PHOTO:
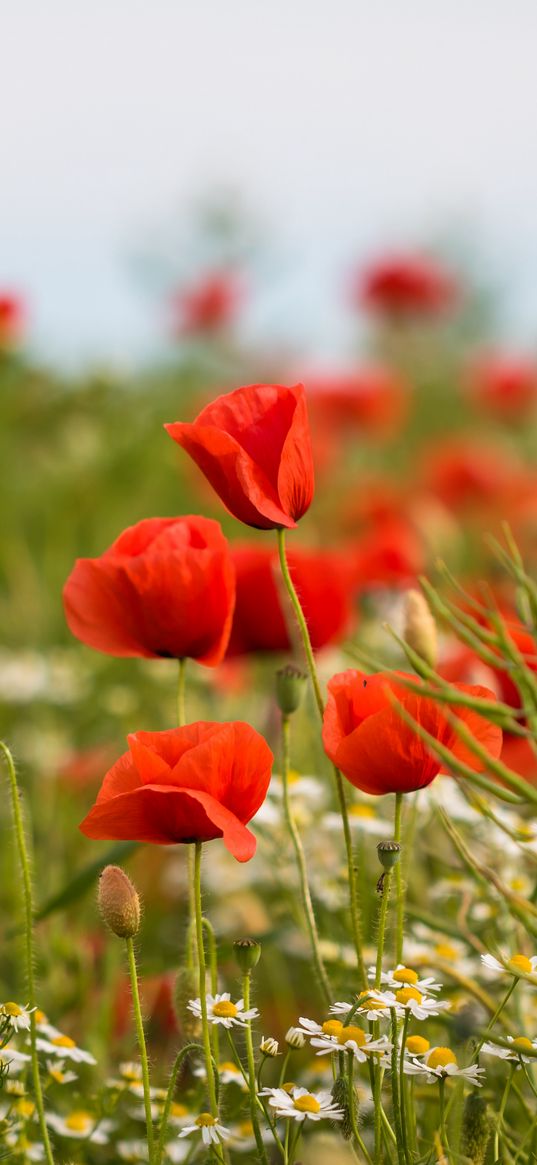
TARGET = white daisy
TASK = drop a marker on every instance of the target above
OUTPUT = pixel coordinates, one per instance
(18, 1017)
(55, 1069)
(65, 1048)
(355, 1040)
(80, 1126)
(518, 965)
(372, 1007)
(301, 1105)
(228, 1073)
(362, 818)
(30, 1150)
(402, 976)
(13, 1058)
(410, 999)
(221, 1010)
(212, 1132)
(132, 1150)
(442, 1062)
(519, 1045)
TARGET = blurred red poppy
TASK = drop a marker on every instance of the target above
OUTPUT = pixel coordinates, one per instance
(254, 446)
(389, 554)
(206, 306)
(189, 784)
(466, 473)
(372, 399)
(263, 615)
(504, 384)
(12, 319)
(405, 284)
(364, 735)
(165, 588)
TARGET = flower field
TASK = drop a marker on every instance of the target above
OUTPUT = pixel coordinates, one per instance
(268, 698)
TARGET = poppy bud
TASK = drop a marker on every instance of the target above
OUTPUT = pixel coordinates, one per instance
(340, 1096)
(186, 987)
(420, 628)
(476, 1129)
(119, 903)
(388, 854)
(294, 1038)
(269, 1047)
(290, 687)
(247, 954)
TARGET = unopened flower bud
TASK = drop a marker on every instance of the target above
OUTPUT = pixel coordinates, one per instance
(186, 988)
(247, 954)
(119, 903)
(294, 1038)
(340, 1096)
(269, 1047)
(388, 854)
(290, 688)
(420, 628)
(475, 1129)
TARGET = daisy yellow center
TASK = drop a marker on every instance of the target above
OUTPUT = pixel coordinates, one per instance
(25, 1107)
(246, 1128)
(369, 1002)
(289, 1086)
(40, 1016)
(130, 1072)
(57, 1075)
(445, 951)
(63, 1042)
(227, 1066)
(307, 1103)
(523, 1044)
(352, 1033)
(332, 1027)
(521, 963)
(78, 1122)
(293, 776)
(440, 1057)
(178, 1109)
(405, 994)
(362, 811)
(205, 1120)
(225, 1009)
(417, 1045)
(12, 1009)
(405, 975)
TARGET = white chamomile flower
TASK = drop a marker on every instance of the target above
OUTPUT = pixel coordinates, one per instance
(57, 1073)
(13, 1058)
(18, 1017)
(519, 1045)
(65, 1048)
(221, 1010)
(228, 1073)
(440, 1063)
(518, 965)
(212, 1132)
(402, 976)
(371, 1008)
(133, 1150)
(362, 818)
(412, 1000)
(29, 1150)
(81, 1126)
(301, 1105)
(332, 1036)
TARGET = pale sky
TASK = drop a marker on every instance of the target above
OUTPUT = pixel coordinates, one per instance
(344, 125)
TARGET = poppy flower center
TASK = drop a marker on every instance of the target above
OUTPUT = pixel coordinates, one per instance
(523, 1044)
(63, 1042)
(405, 975)
(307, 1103)
(12, 1009)
(417, 1045)
(521, 963)
(332, 1027)
(205, 1120)
(77, 1122)
(225, 1009)
(440, 1057)
(405, 994)
(352, 1033)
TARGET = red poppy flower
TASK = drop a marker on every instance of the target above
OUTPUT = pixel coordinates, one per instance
(164, 588)
(402, 284)
(465, 473)
(504, 384)
(390, 554)
(372, 399)
(263, 614)
(12, 318)
(364, 735)
(207, 305)
(254, 446)
(188, 784)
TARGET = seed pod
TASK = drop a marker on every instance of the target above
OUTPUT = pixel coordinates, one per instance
(119, 903)
(247, 954)
(290, 688)
(388, 854)
(476, 1129)
(419, 629)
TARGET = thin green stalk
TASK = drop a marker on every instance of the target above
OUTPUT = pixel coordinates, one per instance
(352, 1108)
(209, 1070)
(29, 945)
(142, 1047)
(402, 1083)
(502, 1108)
(495, 1017)
(396, 1099)
(181, 1055)
(307, 903)
(386, 880)
(443, 1129)
(251, 1071)
(399, 883)
(213, 974)
(303, 627)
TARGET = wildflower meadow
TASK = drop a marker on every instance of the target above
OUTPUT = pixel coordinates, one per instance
(268, 688)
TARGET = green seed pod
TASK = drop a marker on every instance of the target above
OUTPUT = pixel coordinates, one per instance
(340, 1096)
(290, 688)
(476, 1129)
(388, 854)
(247, 954)
(186, 988)
(119, 903)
